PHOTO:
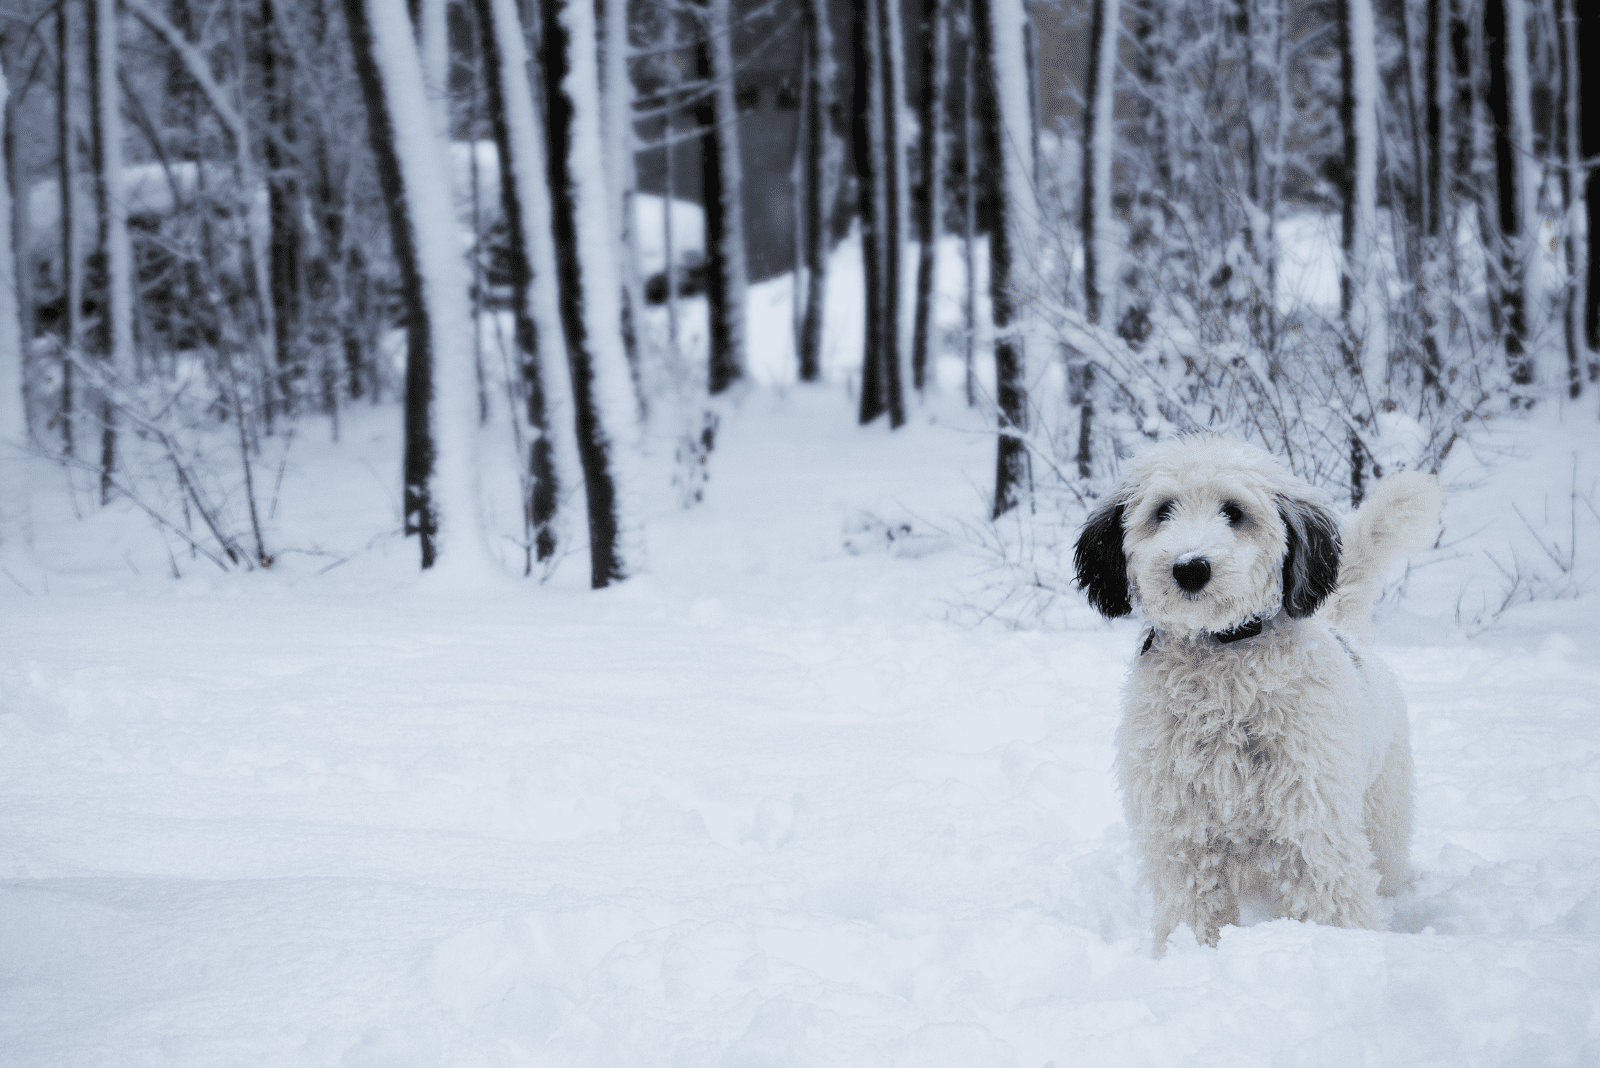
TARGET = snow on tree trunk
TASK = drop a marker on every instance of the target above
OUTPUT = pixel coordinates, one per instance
(114, 336)
(1361, 305)
(616, 97)
(936, 75)
(1506, 36)
(815, 185)
(896, 203)
(441, 470)
(1099, 253)
(15, 515)
(1431, 281)
(525, 201)
(1003, 94)
(433, 40)
(727, 281)
(604, 408)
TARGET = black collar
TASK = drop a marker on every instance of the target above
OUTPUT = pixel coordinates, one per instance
(1248, 629)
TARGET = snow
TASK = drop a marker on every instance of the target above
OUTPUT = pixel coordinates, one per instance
(784, 801)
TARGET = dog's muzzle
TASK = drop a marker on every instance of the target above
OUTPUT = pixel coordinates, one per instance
(1192, 575)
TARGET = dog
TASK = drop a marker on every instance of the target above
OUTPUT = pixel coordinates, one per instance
(1264, 754)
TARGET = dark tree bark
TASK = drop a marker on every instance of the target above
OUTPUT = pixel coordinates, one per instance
(1567, 169)
(867, 136)
(891, 45)
(1007, 152)
(544, 487)
(1099, 26)
(1510, 296)
(596, 408)
(284, 209)
(969, 205)
(67, 180)
(418, 465)
(718, 115)
(1589, 120)
(935, 75)
(818, 106)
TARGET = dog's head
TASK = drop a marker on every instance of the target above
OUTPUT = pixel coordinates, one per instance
(1205, 534)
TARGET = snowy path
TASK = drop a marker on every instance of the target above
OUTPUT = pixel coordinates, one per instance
(765, 807)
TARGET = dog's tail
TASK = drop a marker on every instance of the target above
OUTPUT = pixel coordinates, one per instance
(1399, 518)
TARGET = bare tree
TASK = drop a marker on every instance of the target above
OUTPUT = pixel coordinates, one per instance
(1505, 34)
(113, 338)
(722, 187)
(586, 270)
(1003, 119)
(441, 471)
(935, 77)
(815, 185)
(525, 201)
(15, 505)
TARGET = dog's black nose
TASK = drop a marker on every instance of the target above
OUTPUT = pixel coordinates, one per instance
(1192, 575)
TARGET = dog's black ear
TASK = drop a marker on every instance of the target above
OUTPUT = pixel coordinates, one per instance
(1311, 557)
(1102, 569)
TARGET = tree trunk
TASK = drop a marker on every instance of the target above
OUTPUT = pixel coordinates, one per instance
(1362, 312)
(935, 75)
(71, 248)
(604, 406)
(15, 510)
(284, 207)
(895, 218)
(815, 192)
(872, 204)
(113, 339)
(1505, 36)
(1589, 136)
(1570, 171)
(616, 98)
(1098, 98)
(441, 471)
(726, 273)
(969, 204)
(1003, 118)
(525, 201)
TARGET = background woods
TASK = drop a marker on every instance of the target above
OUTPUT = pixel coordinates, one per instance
(540, 227)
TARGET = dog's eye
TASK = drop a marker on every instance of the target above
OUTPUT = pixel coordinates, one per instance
(1234, 513)
(1164, 512)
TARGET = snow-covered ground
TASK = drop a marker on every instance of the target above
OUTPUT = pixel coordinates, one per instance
(783, 801)
(777, 803)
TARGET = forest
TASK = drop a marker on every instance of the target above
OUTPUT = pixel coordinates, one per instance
(228, 219)
(541, 532)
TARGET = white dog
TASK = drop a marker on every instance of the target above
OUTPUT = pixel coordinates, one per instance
(1264, 754)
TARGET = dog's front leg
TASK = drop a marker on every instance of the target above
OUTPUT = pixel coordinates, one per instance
(1190, 884)
(1330, 878)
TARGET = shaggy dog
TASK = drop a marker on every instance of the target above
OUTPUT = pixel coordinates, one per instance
(1264, 755)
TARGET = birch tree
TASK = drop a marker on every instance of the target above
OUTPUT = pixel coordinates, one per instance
(15, 507)
(525, 201)
(892, 40)
(1003, 119)
(616, 98)
(935, 76)
(586, 269)
(113, 339)
(441, 471)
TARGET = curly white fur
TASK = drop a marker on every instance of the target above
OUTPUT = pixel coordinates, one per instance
(1269, 768)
